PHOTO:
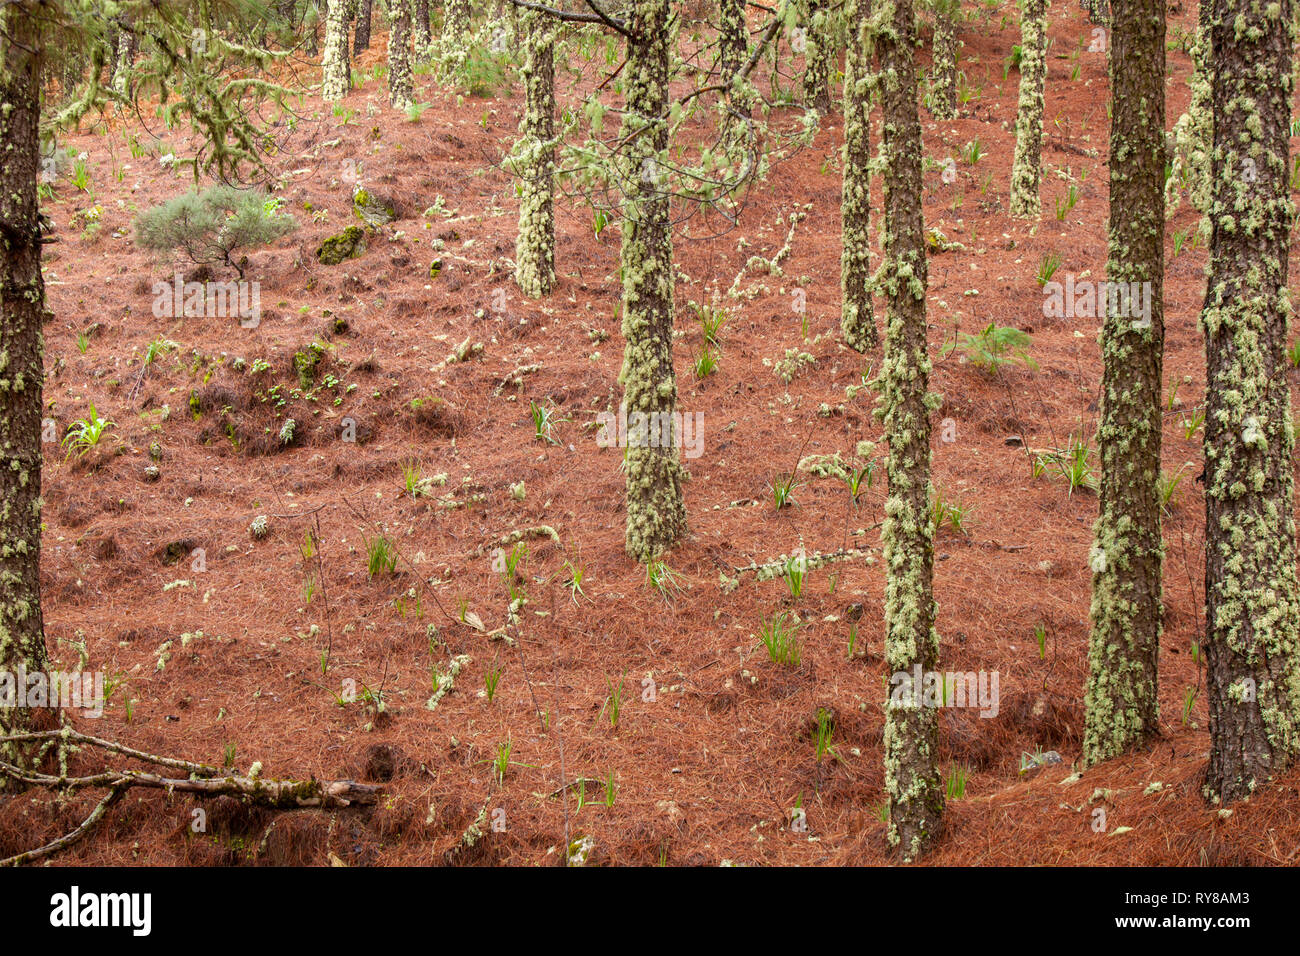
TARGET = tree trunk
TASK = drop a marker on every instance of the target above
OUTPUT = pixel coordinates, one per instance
(1194, 131)
(535, 247)
(733, 52)
(857, 320)
(817, 56)
(943, 86)
(656, 513)
(334, 62)
(1122, 710)
(455, 35)
(1026, 169)
(912, 778)
(22, 308)
(1251, 607)
(422, 35)
(361, 37)
(400, 85)
(310, 24)
(122, 67)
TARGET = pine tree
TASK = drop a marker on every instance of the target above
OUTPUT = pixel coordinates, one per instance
(857, 320)
(400, 84)
(912, 778)
(22, 307)
(422, 35)
(943, 87)
(656, 513)
(1193, 133)
(455, 34)
(535, 246)
(819, 51)
(1121, 704)
(1252, 610)
(337, 76)
(1026, 168)
(361, 36)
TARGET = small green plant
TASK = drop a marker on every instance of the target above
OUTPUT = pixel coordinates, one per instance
(1067, 202)
(1167, 487)
(796, 567)
(1193, 424)
(611, 789)
(948, 512)
(711, 319)
(544, 422)
(213, 225)
(1189, 701)
(853, 640)
(381, 556)
(783, 490)
(1293, 354)
(856, 477)
(706, 363)
(1047, 267)
(574, 580)
(83, 342)
(615, 701)
(415, 484)
(1072, 464)
(86, 433)
(1040, 638)
(972, 152)
(995, 346)
(415, 111)
(957, 783)
(823, 732)
(780, 635)
(661, 577)
(490, 681)
(231, 752)
(81, 176)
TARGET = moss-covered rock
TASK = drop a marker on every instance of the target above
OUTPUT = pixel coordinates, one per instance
(348, 244)
(372, 208)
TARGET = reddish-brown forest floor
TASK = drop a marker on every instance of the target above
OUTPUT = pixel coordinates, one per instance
(711, 769)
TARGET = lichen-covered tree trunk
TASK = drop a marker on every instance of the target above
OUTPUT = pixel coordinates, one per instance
(857, 320)
(22, 306)
(820, 50)
(310, 23)
(535, 246)
(400, 85)
(361, 36)
(125, 54)
(423, 37)
(943, 87)
(455, 34)
(1252, 609)
(337, 75)
(733, 52)
(1194, 131)
(912, 778)
(1121, 705)
(656, 513)
(1026, 168)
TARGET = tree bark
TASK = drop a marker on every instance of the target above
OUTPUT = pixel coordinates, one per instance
(535, 247)
(1251, 607)
(857, 319)
(337, 79)
(943, 87)
(817, 57)
(1122, 710)
(912, 777)
(361, 35)
(400, 84)
(656, 513)
(22, 309)
(1026, 168)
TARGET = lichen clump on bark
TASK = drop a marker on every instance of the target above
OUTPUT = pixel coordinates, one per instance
(943, 70)
(1026, 168)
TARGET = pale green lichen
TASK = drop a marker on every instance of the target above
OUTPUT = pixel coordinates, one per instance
(400, 85)
(943, 70)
